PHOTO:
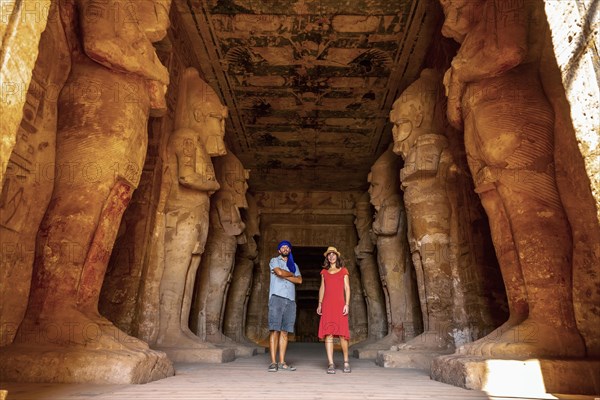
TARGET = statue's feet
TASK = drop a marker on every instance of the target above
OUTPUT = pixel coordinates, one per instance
(241, 339)
(182, 339)
(428, 341)
(71, 327)
(385, 342)
(219, 338)
(533, 339)
(476, 348)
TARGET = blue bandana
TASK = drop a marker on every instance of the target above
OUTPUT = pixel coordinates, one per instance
(290, 261)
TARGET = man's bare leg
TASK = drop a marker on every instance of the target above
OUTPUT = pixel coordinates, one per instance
(273, 340)
(283, 341)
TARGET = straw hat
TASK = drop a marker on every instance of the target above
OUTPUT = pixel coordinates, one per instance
(332, 249)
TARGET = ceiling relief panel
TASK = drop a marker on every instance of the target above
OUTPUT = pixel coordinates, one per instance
(309, 84)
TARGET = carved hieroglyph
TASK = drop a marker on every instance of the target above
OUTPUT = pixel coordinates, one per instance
(191, 180)
(225, 233)
(29, 177)
(427, 163)
(246, 258)
(494, 91)
(369, 271)
(21, 27)
(115, 81)
(393, 254)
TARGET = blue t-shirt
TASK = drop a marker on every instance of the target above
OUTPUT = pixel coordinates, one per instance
(280, 286)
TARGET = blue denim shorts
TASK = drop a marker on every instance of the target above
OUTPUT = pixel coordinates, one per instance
(282, 314)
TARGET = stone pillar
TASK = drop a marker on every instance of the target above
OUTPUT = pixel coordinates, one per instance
(393, 254)
(100, 150)
(369, 271)
(246, 257)
(189, 174)
(427, 162)
(225, 233)
(495, 92)
(510, 155)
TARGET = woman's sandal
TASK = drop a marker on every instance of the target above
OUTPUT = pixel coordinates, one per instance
(331, 369)
(285, 367)
(347, 368)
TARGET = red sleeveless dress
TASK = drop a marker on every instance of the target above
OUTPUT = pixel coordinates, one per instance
(333, 322)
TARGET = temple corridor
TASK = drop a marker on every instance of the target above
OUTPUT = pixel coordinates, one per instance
(164, 162)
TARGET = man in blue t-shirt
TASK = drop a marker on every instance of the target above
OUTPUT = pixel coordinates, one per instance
(285, 274)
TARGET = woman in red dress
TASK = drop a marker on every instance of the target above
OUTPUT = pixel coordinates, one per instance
(334, 298)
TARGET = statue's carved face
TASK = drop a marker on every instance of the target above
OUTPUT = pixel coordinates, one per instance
(209, 122)
(406, 116)
(363, 218)
(460, 17)
(376, 190)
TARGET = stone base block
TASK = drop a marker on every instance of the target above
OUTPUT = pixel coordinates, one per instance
(519, 377)
(242, 351)
(414, 359)
(370, 351)
(80, 365)
(366, 353)
(193, 355)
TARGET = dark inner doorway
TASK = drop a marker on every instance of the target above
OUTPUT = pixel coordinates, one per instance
(310, 261)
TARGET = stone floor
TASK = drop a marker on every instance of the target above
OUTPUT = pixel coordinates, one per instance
(248, 379)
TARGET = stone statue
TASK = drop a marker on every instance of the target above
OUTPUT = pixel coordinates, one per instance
(115, 82)
(427, 162)
(494, 91)
(29, 178)
(393, 254)
(190, 179)
(246, 258)
(226, 232)
(369, 272)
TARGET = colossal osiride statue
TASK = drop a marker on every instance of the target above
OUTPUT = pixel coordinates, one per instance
(246, 258)
(427, 162)
(191, 180)
(494, 92)
(29, 178)
(393, 254)
(369, 272)
(115, 82)
(226, 232)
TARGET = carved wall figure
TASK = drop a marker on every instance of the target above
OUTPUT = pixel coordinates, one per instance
(427, 165)
(226, 232)
(369, 271)
(494, 91)
(393, 254)
(246, 258)
(115, 82)
(29, 179)
(190, 177)
(21, 35)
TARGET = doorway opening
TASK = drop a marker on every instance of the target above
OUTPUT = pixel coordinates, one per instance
(310, 261)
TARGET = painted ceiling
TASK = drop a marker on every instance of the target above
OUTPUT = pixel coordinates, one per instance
(309, 84)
